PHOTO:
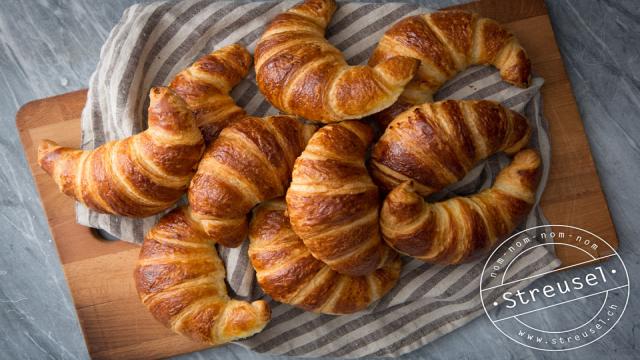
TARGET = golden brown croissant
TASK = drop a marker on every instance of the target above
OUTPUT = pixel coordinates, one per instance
(447, 42)
(287, 271)
(138, 176)
(436, 144)
(206, 84)
(452, 231)
(333, 203)
(180, 279)
(301, 73)
(249, 162)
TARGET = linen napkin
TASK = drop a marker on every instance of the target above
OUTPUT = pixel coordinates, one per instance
(154, 41)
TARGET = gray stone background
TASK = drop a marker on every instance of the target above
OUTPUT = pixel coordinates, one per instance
(48, 47)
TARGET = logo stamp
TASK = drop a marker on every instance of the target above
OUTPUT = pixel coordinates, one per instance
(555, 309)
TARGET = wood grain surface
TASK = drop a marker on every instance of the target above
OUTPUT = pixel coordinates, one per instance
(99, 272)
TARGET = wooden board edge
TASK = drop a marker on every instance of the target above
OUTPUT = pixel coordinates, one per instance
(536, 8)
(27, 109)
(574, 103)
(23, 115)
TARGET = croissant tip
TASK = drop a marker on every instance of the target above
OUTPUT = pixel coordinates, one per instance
(407, 185)
(166, 99)
(529, 156)
(46, 144)
(158, 91)
(263, 310)
(45, 148)
(44, 157)
(405, 194)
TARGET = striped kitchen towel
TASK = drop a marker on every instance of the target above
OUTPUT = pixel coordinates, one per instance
(153, 41)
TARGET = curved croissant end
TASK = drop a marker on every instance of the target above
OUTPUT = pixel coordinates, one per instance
(454, 230)
(286, 270)
(249, 162)
(138, 176)
(332, 201)
(436, 144)
(447, 42)
(301, 73)
(205, 86)
(180, 279)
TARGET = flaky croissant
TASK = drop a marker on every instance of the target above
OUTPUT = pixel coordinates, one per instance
(249, 162)
(333, 203)
(436, 144)
(206, 84)
(138, 176)
(452, 231)
(301, 73)
(447, 42)
(286, 270)
(180, 279)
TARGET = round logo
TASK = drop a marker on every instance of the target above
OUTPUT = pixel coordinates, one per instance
(542, 306)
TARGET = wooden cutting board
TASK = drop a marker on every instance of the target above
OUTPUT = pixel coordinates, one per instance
(99, 272)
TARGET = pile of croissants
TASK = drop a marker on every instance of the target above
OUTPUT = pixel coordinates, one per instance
(327, 204)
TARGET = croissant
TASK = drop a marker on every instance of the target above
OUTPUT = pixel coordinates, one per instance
(249, 162)
(301, 73)
(286, 270)
(333, 203)
(138, 176)
(436, 144)
(206, 84)
(447, 42)
(452, 231)
(180, 279)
